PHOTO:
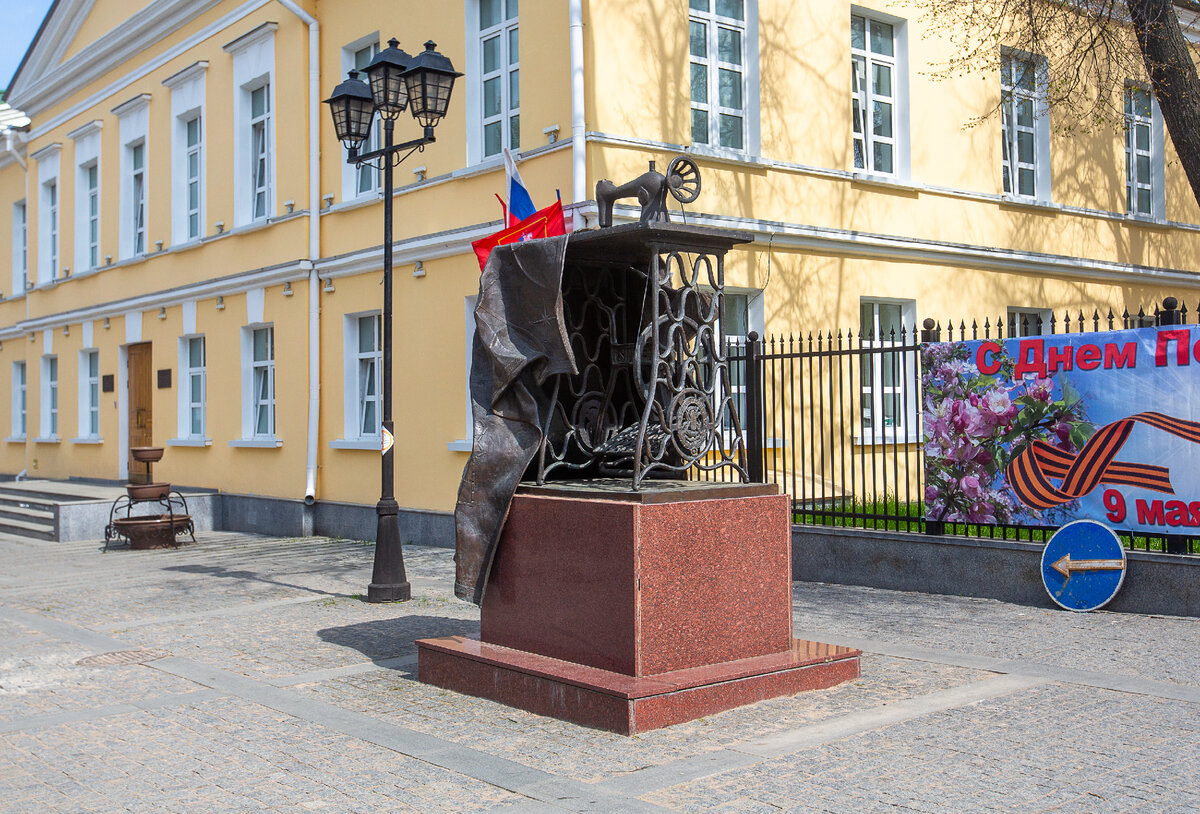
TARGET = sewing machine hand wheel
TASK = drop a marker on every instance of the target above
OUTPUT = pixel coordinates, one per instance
(683, 179)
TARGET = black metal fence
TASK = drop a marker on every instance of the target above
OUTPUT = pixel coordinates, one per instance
(834, 418)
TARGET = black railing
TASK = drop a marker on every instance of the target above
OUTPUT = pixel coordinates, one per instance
(834, 418)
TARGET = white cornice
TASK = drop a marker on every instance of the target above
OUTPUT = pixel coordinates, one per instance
(131, 105)
(86, 130)
(49, 151)
(120, 46)
(256, 34)
(189, 73)
(208, 289)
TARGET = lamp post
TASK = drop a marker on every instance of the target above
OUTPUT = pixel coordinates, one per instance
(422, 84)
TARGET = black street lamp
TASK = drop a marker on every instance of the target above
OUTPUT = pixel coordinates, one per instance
(422, 84)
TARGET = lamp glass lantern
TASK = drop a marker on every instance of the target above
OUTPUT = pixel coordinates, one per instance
(352, 107)
(386, 74)
(430, 79)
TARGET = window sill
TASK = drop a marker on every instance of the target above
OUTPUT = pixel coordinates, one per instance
(727, 156)
(370, 444)
(1008, 199)
(257, 443)
(49, 439)
(893, 183)
(87, 440)
(189, 442)
(15, 439)
(1151, 221)
(460, 445)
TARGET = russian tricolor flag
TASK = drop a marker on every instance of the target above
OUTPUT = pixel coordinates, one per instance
(520, 204)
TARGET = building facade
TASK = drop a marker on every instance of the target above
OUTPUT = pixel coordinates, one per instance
(193, 264)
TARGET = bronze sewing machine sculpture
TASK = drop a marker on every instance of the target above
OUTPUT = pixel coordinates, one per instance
(650, 188)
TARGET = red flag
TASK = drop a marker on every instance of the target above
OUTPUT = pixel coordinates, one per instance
(542, 223)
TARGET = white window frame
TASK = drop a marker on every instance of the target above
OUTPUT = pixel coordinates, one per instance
(1023, 321)
(352, 176)
(863, 96)
(48, 197)
(906, 375)
(138, 188)
(253, 371)
(20, 400)
(473, 89)
(49, 397)
(703, 14)
(88, 201)
(1037, 130)
(20, 248)
(134, 117)
(89, 394)
(253, 68)
(190, 400)
(507, 74)
(1153, 153)
(755, 323)
(187, 88)
(261, 158)
(354, 381)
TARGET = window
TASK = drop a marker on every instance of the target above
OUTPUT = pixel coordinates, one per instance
(195, 383)
(134, 190)
(87, 195)
(875, 94)
(888, 377)
(187, 88)
(20, 265)
(1143, 154)
(260, 151)
(193, 144)
(1025, 136)
(48, 259)
(51, 196)
(92, 178)
(137, 185)
(366, 178)
(1027, 322)
(262, 374)
(49, 427)
(18, 400)
(89, 394)
(368, 364)
(717, 43)
(500, 75)
(735, 326)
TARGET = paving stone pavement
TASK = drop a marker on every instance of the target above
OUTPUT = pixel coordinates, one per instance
(263, 682)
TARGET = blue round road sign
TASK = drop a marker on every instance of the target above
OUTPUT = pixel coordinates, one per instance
(1083, 565)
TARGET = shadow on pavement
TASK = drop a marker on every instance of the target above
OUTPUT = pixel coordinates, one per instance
(387, 638)
(246, 576)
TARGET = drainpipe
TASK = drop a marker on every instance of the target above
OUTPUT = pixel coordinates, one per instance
(11, 149)
(578, 123)
(314, 246)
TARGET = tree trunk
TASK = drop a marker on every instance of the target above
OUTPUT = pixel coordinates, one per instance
(1172, 77)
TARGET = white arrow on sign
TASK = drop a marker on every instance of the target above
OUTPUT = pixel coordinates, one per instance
(1065, 565)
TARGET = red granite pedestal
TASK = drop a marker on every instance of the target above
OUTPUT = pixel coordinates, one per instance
(630, 611)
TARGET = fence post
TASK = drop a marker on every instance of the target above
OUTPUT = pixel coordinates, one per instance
(754, 412)
(1170, 314)
(930, 332)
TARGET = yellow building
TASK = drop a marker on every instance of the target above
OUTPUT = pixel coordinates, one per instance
(194, 265)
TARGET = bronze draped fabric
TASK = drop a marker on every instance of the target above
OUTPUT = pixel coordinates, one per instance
(520, 341)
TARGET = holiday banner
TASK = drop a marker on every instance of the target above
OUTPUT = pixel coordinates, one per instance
(1049, 429)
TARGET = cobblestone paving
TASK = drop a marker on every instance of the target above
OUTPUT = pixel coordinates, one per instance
(284, 691)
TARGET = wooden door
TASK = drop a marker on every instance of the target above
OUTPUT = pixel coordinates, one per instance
(141, 424)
